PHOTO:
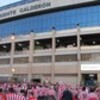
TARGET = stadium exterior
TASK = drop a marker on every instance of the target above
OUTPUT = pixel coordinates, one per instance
(51, 40)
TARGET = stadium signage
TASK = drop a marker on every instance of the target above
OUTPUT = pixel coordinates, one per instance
(34, 7)
(38, 5)
(25, 9)
(90, 67)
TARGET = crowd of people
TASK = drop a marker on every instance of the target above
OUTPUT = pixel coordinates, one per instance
(47, 91)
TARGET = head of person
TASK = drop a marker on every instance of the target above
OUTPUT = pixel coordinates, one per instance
(1, 90)
(23, 92)
(92, 89)
(98, 89)
(83, 88)
(31, 93)
(11, 90)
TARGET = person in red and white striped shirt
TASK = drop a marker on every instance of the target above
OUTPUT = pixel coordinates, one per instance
(21, 95)
(31, 96)
(2, 95)
(11, 95)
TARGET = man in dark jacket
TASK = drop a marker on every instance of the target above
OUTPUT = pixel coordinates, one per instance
(67, 95)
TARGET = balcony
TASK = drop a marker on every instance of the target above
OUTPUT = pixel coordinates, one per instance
(88, 49)
(24, 52)
(4, 61)
(91, 57)
(23, 37)
(43, 52)
(5, 53)
(22, 48)
(43, 46)
(66, 44)
(5, 49)
(42, 59)
(66, 50)
(66, 58)
(90, 43)
(45, 35)
(21, 60)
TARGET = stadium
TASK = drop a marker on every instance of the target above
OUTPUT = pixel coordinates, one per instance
(51, 40)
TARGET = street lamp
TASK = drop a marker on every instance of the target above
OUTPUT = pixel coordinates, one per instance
(13, 70)
(13, 36)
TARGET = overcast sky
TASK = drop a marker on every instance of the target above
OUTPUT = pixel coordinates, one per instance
(5, 2)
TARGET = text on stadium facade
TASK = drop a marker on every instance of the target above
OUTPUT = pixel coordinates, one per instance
(26, 9)
(38, 5)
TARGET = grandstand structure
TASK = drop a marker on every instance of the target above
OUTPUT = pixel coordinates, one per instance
(51, 40)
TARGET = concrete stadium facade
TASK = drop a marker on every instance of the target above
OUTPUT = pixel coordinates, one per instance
(51, 40)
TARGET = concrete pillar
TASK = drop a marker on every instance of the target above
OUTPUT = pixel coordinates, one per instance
(31, 49)
(12, 54)
(53, 56)
(98, 78)
(79, 54)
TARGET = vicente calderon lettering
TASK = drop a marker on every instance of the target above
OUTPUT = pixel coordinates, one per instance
(25, 9)
(13, 12)
(38, 5)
